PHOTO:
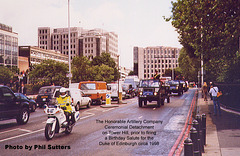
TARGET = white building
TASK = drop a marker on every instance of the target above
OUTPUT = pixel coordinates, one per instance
(89, 43)
(147, 60)
(8, 46)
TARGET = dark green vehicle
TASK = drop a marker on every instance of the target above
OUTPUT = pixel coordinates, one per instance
(153, 90)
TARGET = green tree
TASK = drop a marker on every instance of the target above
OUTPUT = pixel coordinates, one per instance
(189, 66)
(104, 58)
(5, 75)
(81, 69)
(209, 30)
(49, 72)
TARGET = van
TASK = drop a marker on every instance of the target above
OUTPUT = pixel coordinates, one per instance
(78, 98)
(96, 90)
(113, 87)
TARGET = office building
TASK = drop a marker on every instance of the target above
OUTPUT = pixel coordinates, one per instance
(89, 43)
(30, 55)
(8, 46)
(147, 60)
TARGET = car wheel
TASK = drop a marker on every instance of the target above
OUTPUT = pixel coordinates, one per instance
(89, 104)
(23, 116)
(139, 103)
(77, 107)
(34, 107)
(158, 102)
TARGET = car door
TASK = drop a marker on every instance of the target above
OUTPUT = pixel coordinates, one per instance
(9, 105)
(83, 99)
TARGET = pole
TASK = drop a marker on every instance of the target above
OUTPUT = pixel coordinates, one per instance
(201, 70)
(69, 44)
(172, 65)
(118, 78)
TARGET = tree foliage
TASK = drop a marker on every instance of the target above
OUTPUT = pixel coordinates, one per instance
(188, 66)
(5, 75)
(49, 72)
(211, 30)
(101, 68)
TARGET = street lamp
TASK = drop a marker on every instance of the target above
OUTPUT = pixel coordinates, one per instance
(69, 45)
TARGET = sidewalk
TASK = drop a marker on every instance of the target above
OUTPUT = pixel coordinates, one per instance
(222, 131)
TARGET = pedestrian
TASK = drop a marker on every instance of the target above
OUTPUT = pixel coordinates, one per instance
(214, 91)
(205, 91)
(17, 85)
(23, 89)
(156, 75)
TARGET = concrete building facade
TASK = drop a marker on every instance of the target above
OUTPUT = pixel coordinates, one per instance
(89, 43)
(30, 55)
(8, 46)
(159, 58)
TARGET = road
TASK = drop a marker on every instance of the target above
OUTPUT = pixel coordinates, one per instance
(123, 130)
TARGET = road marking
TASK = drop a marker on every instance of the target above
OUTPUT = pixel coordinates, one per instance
(140, 117)
(9, 130)
(86, 116)
(108, 109)
(25, 130)
(21, 135)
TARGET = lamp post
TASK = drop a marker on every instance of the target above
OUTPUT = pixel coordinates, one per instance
(69, 45)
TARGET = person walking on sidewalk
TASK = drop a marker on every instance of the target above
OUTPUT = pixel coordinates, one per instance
(205, 91)
(214, 91)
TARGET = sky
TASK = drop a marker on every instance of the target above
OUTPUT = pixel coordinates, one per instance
(137, 22)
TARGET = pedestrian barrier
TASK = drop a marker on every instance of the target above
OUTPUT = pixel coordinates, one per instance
(188, 147)
(198, 135)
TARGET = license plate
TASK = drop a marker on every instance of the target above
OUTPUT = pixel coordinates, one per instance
(44, 97)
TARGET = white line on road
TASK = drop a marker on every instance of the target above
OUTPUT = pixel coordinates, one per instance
(140, 117)
(21, 135)
(86, 116)
(25, 130)
(9, 130)
(108, 110)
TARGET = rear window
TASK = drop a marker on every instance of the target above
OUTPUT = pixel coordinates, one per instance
(46, 90)
(88, 86)
(173, 82)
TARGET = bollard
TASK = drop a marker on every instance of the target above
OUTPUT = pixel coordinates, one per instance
(196, 126)
(188, 147)
(204, 128)
(193, 137)
(199, 119)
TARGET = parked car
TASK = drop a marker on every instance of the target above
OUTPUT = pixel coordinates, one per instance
(46, 95)
(184, 84)
(12, 107)
(129, 90)
(78, 98)
(176, 87)
(32, 103)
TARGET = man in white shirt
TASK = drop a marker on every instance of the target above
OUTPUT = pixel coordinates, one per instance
(213, 91)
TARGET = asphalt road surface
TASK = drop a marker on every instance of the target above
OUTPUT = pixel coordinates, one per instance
(123, 130)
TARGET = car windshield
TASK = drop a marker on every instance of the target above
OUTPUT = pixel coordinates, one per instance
(20, 96)
(173, 82)
(149, 83)
(88, 86)
(46, 90)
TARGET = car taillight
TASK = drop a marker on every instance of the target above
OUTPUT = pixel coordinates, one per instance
(72, 100)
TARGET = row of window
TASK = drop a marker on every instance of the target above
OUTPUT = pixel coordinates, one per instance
(159, 66)
(159, 61)
(165, 51)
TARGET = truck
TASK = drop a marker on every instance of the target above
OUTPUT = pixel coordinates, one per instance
(153, 90)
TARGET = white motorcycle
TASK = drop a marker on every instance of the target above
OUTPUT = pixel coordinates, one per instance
(57, 122)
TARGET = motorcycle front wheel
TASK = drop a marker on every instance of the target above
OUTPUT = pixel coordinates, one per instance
(49, 134)
(69, 128)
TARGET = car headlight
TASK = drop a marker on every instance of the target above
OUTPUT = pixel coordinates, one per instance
(177, 87)
(155, 93)
(140, 93)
